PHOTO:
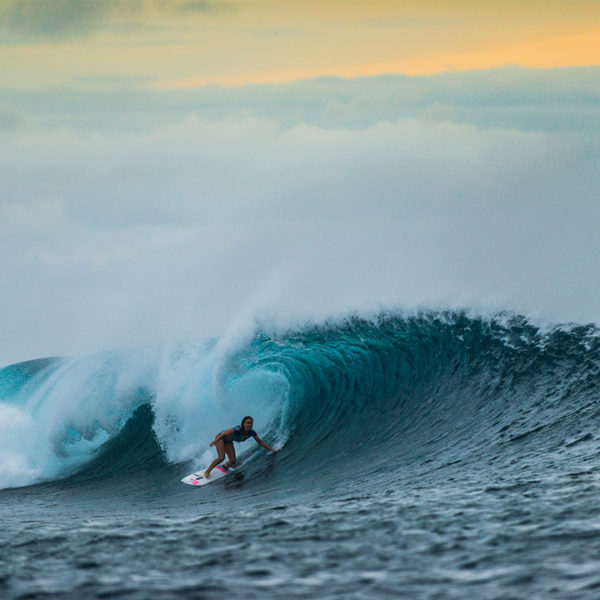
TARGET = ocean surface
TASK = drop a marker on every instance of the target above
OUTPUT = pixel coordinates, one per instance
(433, 455)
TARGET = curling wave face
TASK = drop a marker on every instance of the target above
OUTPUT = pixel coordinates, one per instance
(388, 396)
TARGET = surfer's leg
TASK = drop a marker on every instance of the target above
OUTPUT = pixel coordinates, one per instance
(230, 450)
(220, 446)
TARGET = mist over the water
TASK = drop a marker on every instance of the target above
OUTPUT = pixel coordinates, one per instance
(193, 226)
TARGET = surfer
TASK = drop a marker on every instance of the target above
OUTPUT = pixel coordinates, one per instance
(224, 443)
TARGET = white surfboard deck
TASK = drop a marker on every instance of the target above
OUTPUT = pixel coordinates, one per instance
(198, 478)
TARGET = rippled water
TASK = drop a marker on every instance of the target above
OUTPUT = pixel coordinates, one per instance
(438, 536)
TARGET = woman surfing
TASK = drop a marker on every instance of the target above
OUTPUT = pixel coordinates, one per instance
(224, 443)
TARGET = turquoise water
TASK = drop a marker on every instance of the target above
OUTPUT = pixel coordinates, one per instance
(438, 455)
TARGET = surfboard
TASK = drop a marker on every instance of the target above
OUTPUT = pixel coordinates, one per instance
(198, 478)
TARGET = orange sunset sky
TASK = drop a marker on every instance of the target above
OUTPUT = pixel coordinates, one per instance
(187, 43)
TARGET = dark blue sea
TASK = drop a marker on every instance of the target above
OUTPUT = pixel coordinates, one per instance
(438, 455)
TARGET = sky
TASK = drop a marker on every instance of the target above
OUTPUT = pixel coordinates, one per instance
(177, 170)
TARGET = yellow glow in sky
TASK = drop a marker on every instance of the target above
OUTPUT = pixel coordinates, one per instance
(190, 44)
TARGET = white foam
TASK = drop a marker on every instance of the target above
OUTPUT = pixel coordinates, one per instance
(58, 422)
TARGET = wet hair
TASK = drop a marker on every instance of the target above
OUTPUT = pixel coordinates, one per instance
(245, 419)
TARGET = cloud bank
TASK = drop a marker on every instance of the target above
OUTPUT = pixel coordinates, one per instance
(179, 226)
(58, 20)
(54, 19)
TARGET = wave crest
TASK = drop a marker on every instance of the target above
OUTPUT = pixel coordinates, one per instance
(384, 391)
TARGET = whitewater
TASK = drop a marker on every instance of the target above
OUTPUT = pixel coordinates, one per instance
(434, 454)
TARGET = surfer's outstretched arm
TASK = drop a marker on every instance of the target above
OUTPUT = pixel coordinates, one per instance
(261, 443)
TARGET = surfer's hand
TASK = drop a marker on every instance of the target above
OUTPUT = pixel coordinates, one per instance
(212, 443)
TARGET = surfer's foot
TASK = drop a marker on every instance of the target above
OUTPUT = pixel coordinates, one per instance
(206, 475)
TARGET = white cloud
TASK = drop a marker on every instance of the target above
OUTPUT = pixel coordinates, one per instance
(174, 230)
